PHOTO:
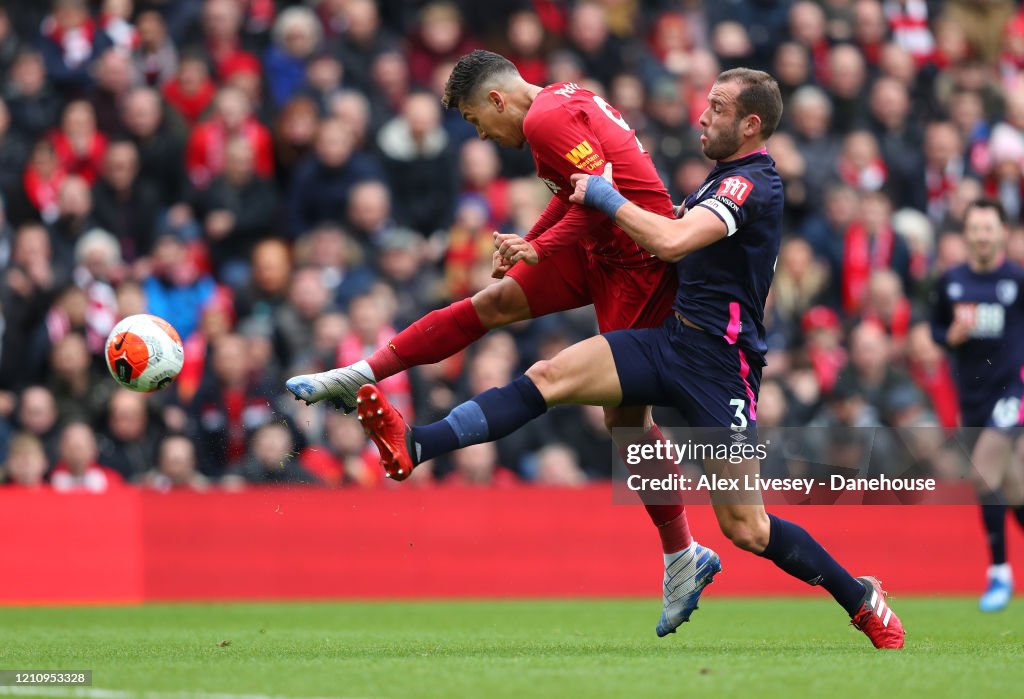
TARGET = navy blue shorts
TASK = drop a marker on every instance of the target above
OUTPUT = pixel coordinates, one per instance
(712, 383)
(1002, 413)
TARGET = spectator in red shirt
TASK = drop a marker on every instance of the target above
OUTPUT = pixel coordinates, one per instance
(77, 470)
(191, 90)
(42, 180)
(78, 143)
(232, 118)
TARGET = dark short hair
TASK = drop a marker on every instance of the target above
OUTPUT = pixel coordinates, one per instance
(987, 203)
(760, 95)
(473, 70)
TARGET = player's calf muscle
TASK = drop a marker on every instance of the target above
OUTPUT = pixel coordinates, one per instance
(500, 304)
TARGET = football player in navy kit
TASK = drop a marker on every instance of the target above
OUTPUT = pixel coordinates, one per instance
(979, 315)
(705, 359)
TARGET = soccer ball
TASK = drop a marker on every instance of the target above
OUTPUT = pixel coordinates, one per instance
(144, 353)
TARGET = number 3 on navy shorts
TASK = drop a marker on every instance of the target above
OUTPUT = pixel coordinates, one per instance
(741, 420)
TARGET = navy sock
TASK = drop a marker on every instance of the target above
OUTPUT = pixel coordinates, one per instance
(791, 548)
(993, 516)
(485, 418)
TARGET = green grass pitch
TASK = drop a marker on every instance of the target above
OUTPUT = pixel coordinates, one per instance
(759, 648)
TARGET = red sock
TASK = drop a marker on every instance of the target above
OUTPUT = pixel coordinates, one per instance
(436, 336)
(668, 515)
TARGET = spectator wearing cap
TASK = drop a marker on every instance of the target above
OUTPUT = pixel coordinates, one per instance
(26, 465)
(70, 41)
(78, 470)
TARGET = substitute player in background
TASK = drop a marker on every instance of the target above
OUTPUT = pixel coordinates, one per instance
(572, 257)
(705, 360)
(979, 315)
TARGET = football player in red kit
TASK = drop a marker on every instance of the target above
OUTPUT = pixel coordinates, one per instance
(572, 257)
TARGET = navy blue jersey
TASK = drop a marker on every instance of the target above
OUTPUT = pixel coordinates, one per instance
(723, 287)
(989, 363)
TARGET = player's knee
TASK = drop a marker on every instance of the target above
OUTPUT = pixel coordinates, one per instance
(549, 378)
(746, 533)
(501, 304)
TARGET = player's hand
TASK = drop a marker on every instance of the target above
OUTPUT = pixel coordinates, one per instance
(964, 319)
(499, 266)
(579, 183)
(515, 249)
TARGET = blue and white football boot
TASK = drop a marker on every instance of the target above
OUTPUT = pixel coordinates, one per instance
(1000, 589)
(686, 576)
(339, 386)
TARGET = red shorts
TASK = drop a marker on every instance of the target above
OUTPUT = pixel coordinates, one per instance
(623, 298)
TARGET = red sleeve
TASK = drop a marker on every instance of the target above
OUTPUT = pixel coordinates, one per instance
(264, 148)
(552, 214)
(195, 157)
(564, 144)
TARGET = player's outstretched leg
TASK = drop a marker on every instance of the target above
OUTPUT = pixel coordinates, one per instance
(434, 337)
(999, 589)
(792, 549)
(687, 573)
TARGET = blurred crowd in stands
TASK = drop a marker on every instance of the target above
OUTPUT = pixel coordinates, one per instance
(279, 181)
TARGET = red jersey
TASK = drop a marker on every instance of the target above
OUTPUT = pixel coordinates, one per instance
(572, 130)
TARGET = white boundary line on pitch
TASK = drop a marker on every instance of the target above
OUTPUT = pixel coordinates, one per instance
(97, 693)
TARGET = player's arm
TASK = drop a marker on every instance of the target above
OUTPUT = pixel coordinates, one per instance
(669, 239)
(942, 313)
